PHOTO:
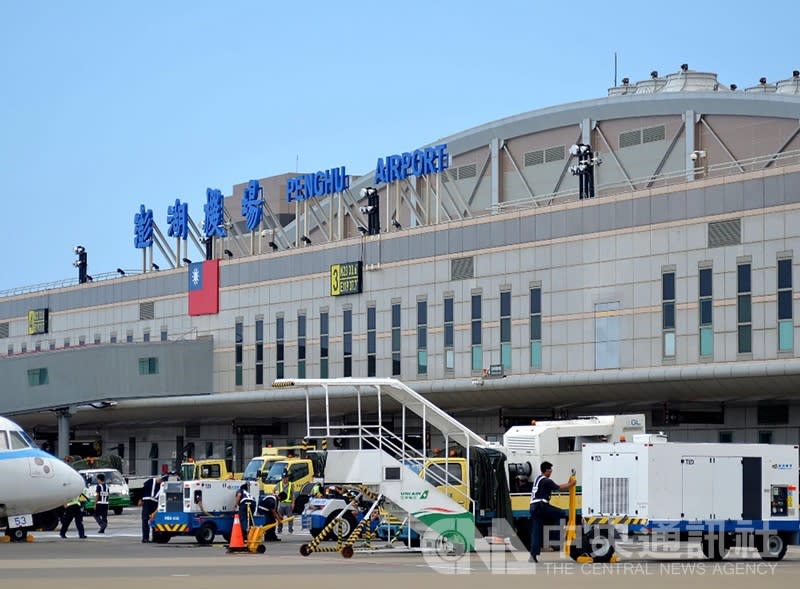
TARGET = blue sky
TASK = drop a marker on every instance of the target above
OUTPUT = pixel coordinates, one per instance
(108, 105)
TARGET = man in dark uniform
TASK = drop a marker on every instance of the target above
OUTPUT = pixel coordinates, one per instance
(74, 510)
(542, 513)
(149, 502)
(101, 503)
(268, 507)
(245, 504)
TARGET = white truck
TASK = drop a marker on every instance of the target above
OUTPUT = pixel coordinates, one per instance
(201, 508)
(720, 494)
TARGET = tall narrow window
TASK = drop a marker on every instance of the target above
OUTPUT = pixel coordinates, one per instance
(323, 344)
(743, 309)
(477, 349)
(347, 340)
(301, 345)
(505, 329)
(279, 343)
(372, 343)
(395, 339)
(706, 318)
(785, 320)
(239, 351)
(536, 326)
(259, 351)
(668, 313)
(449, 352)
(422, 337)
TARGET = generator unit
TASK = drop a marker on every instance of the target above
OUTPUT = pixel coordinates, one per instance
(717, 492)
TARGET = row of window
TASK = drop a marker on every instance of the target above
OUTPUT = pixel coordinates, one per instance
(40, 376)
(51, 344)
(744, 321)
(476, 339)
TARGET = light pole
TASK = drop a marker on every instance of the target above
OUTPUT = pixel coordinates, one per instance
(584, 170)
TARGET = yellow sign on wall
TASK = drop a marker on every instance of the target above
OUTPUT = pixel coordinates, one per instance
(345, 278)
(37, 321)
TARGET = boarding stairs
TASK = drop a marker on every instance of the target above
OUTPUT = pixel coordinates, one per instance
(381, 462)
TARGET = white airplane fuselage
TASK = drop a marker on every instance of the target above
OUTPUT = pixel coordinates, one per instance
(31, 480)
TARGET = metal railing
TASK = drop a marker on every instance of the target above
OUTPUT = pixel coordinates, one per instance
(66, 282)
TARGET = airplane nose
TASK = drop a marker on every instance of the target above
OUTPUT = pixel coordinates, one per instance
(73, 480)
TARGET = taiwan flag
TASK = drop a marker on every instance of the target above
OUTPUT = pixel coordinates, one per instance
(204, 288)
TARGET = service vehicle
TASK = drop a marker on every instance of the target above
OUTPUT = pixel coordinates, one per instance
(720, 494)
(199, 508)
(119, 496)
(207, 468)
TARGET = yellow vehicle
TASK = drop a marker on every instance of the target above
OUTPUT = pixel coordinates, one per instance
(303, 465)
(208, 468)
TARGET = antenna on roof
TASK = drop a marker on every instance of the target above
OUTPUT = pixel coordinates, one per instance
(615, 69)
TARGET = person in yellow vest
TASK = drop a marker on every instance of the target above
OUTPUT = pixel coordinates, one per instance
(286, 506)
(74, 510)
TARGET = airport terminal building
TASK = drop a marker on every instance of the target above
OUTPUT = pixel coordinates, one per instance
(633, 253)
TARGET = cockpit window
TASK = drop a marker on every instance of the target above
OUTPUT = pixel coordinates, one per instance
(3, 440)
(18, 441)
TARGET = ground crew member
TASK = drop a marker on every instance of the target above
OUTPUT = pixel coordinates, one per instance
(286, 506)
(542, 513)
(246, 505)
(101, 503)
(149, 503)
(74, 510)
(268, 507)
(316, 490)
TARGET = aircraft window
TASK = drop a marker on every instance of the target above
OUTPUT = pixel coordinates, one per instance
(18, 441)
(3, 440)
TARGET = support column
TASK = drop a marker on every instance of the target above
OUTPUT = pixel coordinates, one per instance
(494, 148)
(689, 132)
(63, 432)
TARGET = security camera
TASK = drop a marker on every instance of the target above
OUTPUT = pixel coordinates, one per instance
(694, 156)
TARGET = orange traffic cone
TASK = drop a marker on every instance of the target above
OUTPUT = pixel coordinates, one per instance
(237, 540)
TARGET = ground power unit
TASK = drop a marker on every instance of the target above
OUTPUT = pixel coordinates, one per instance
(722, 494)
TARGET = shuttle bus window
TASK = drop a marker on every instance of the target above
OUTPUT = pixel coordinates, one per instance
(3, 440)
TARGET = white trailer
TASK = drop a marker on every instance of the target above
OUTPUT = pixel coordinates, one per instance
(722, 494)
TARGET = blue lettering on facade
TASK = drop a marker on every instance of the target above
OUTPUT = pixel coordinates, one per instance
(143, 228)
(251, 205)
(178, 220)
(214, 224)
(317, 184)
(420, 162)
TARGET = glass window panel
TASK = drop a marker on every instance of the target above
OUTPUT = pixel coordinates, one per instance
(370, 318)
(395, 364)
(669, 315)
(448, 336)
(505, 355)
(238, 353)
(705, 282)
(371, 365)
(259, 374)
(323, 346)
(476, 306)
(536, 327)
(395, 340)
(301, 326)
(785, 336)
(422, 312)
(706, 341)
(705, 312)
(395, 315)
(449, 359)
(323, 368)
(477, 358)
(743, 278)
(259, 331)
(239, 376)
(669, 344)
(744, 309)
(348, 365)
(348, 344)
(536, 354)
(448, 310)
(422, 362)
(279, 352)
(301, 369)
(476, 332)
(323, 323)
(784, 274)
(745, 339)
(536, 300)
(279, 328)
(785, 304)
(505, 330)
(668, 286)
(371, 342)
(505, 304)
(422, 337)
(259, 352)
(239, 332)
(348, 321)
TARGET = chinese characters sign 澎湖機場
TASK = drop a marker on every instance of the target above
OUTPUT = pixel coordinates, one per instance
(251, 205)
(178, 220)
(143, 228)
(214, 225)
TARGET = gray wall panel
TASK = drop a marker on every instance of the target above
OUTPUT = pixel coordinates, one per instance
(605, 217)
(695, 204)
(185, 368)
(715, 200)
(733, 197)
(623, 214)
(641, 212)
(676, 206)
(753, 191)
(441, 240)
(659, 209)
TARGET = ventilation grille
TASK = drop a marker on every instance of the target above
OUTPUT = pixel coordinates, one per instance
(613, 495)
(724, 233)
(523, 443)
(146, 310)
(461, 268)
(534, 158)
(461, 173)
(554, 154)
(4, 330)
(630, 138)
(652, 134)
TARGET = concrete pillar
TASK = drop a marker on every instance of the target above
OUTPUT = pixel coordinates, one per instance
(63, 432)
